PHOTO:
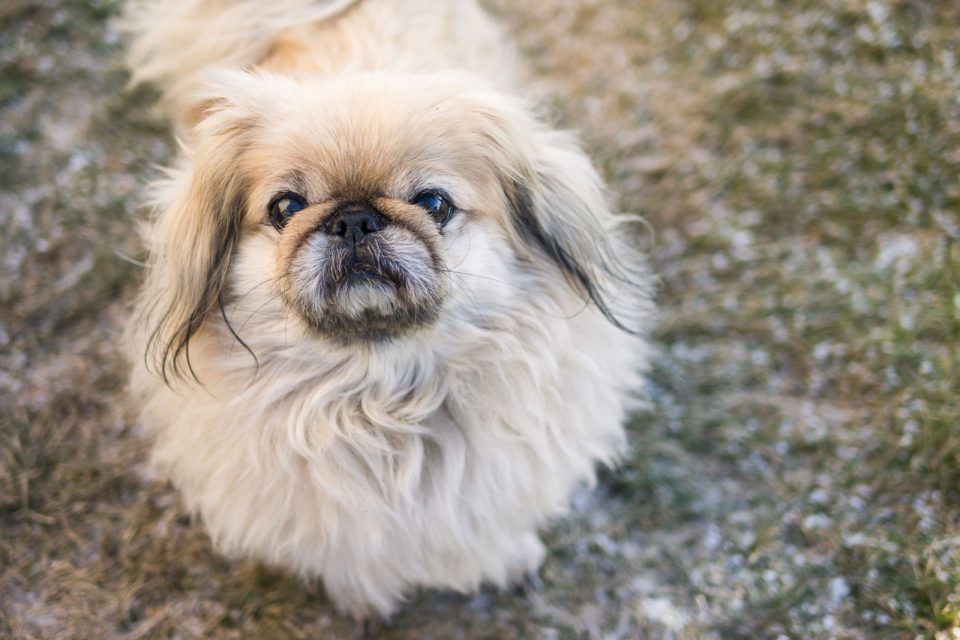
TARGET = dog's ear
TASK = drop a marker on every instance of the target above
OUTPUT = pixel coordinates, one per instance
(557, 207)
(199, 213)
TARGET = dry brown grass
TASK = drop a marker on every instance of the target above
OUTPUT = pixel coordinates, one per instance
(799, 472)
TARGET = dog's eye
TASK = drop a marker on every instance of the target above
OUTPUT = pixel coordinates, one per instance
(436, 204)
(283, 207)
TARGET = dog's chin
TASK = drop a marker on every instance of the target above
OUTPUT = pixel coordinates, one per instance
(368, 307)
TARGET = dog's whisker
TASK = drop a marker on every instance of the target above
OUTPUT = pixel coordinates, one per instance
(257, 286)
(485, 277)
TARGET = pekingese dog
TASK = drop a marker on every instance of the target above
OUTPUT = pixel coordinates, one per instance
(389, 322)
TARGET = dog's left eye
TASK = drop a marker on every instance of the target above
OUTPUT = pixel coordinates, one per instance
(283, 207)
(436, 204)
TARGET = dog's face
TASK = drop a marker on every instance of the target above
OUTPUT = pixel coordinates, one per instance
(363, 194)
(370, 207)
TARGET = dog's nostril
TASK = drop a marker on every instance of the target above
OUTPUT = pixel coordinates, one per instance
(369, 225)
(353, 225)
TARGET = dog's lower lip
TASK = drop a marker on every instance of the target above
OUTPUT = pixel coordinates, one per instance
(361, 275)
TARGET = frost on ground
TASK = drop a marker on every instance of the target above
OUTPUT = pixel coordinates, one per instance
(798, 473)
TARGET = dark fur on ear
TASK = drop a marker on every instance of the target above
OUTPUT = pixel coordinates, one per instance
(192, 241)
(592, 280)
(558, 208)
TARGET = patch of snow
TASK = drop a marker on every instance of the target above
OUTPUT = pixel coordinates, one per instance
(839, 590)
(896, 251)
(662, 610)
(817, 521)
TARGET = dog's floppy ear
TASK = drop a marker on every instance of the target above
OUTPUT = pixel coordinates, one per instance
(557, 207)
(199, 212)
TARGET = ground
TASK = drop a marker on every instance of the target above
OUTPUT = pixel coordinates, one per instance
(797, 474)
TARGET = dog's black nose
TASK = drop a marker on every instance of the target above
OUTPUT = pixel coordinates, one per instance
(354, 224)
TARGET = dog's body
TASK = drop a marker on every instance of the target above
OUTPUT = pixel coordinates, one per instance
(176, 40)
(412, 417)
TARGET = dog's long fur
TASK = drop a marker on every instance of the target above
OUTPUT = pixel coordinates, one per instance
(429, 457)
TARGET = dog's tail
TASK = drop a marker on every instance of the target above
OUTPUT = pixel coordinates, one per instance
(172, 41)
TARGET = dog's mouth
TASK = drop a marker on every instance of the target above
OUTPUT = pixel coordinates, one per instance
(374, 290)
(368, 272)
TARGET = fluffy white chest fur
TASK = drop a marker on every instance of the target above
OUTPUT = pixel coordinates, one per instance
(396, 288)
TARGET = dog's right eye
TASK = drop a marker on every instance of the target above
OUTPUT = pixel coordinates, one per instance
(436, 203)
(283, 207)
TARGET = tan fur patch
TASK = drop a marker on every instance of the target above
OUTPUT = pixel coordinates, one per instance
(299, 228)
(413, 218)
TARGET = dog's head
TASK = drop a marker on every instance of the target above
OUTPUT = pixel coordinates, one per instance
(368, 208)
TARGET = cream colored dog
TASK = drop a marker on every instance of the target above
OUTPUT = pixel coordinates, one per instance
(381, 338)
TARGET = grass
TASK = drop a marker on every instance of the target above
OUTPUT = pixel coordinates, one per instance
(798, 473)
